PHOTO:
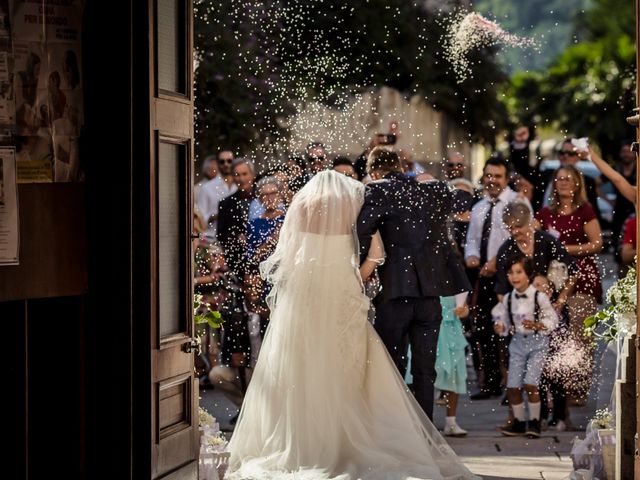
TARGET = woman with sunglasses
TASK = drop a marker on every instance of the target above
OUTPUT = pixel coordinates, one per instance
(568, 155)
(571, 219)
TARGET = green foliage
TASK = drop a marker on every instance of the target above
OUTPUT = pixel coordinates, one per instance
(257, 59)
(202, 313)
(620, 317)
(589, 88)
(552, 22)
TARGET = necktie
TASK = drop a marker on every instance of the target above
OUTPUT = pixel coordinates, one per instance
(486, 232)
(521, 295)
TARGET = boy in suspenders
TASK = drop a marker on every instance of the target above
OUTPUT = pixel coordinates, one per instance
(527, 314)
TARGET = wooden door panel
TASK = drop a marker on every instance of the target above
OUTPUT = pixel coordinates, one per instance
(174, 386)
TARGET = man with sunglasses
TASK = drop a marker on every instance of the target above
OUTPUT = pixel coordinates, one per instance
(316, 157)
(208, 197)
(455, 167)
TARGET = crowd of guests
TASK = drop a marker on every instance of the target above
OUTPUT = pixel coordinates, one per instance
(528, 242)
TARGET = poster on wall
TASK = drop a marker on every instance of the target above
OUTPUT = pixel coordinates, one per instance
(46, 21)
(9, 225)
(45, 107)
(33, 135)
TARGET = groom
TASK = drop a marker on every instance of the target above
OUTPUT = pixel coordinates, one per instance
(420, 265)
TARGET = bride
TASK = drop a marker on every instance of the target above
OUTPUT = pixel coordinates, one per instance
(325, 400)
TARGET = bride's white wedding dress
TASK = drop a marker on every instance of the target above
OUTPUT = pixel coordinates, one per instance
(325, 400)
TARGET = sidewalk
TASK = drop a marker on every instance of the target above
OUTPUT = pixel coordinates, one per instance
(485, 451)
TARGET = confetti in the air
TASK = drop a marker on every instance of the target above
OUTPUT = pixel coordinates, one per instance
(471, 31)
(570, 363)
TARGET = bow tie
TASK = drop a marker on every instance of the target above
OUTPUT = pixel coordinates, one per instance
(521, 295)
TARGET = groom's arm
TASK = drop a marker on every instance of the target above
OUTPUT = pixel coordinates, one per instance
(446, 199)
(368, 220)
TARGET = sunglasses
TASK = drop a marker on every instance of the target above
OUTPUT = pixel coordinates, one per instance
(225, 160)
(570, 153)
(563, 179)
(455, 165)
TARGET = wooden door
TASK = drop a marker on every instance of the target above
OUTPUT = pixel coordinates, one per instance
(174, 395)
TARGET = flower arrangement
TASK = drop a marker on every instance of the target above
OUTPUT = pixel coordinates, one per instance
(619, 318)
(212, 440)
(205, 419)
(603, 418)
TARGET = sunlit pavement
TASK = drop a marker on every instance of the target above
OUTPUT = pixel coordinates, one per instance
(485, 451)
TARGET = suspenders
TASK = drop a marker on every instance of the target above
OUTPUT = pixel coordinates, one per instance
(536, 309)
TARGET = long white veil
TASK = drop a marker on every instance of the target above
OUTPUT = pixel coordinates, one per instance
(328, 205)
(326, 401)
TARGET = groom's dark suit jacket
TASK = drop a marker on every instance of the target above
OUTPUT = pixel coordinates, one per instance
(411, 218)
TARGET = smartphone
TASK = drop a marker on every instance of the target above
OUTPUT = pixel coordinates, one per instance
(580, 143)
(387, 138)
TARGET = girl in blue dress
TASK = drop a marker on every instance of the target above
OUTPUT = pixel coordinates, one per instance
(451, 366)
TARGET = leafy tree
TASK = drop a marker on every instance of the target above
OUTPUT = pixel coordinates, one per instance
(589, 88)
(257, 60)
(551, 22)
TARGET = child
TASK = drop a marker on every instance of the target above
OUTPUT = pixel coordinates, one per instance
(451, 368)
(529, 315)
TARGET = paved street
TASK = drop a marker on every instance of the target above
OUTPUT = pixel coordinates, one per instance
(485, 451)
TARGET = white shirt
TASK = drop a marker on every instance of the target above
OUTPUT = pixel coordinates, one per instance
(524, 309)
(198, 185)
(208, 198)
(498, 233)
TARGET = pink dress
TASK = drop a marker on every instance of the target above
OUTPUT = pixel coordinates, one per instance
(569, 229)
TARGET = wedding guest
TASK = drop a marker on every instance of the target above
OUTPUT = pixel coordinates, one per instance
(570, 218)
(234, 215)
(299, 174)
(529, 315)
(454, 167)
(460, 221)
(208, 196)
(486, 234)
(208, 171)
(568, 154)
(520, 160)
(378, 139)
(522, 186)
(344, 166)
(547, 254)
(540, 246)
(409, 167)
(549, 385)
(451, 366)
(234, 373)
(629, 248)
(316, 157)
(262, 237)
(623, 179)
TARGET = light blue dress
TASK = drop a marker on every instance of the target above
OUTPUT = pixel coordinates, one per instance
(451, 367)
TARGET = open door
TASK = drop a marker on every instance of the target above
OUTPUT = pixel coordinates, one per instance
(174, 396)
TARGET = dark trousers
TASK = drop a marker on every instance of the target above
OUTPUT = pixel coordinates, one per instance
(485, 342)
(417, 319)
